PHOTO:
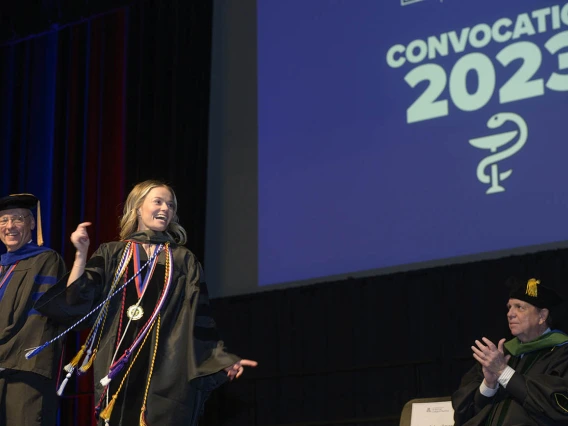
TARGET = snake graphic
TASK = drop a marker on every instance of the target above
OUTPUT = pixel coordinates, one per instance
(493, 142)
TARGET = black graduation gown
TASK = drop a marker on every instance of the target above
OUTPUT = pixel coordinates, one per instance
(22, 327)
(537, 393)
(190, 358)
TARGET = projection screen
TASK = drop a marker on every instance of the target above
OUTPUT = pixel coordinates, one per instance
(356, 138)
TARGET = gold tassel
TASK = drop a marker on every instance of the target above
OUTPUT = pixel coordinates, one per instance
(77, 357)
(105, 414)
(532, 289)
(71, 366)
(89, 362)
(143, 416)
(39, 230)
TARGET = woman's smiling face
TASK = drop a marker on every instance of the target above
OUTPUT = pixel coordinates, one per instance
(157, 210)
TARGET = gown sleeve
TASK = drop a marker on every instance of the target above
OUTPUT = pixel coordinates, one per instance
(468, 402)
(210, 353)
(43, 271)
(544, 394)
(68, 304)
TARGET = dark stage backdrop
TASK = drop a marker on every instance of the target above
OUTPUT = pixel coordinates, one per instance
(89, 106)
(353, 352)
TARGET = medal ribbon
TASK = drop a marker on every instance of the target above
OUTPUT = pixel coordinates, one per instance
(116, 366)
(141, 285)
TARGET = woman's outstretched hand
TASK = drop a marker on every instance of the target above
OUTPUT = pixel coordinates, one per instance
(236, 370)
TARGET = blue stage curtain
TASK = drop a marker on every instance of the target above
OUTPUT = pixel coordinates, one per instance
(62, 124)
(62, 127)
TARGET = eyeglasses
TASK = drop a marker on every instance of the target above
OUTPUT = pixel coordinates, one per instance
(16, 220)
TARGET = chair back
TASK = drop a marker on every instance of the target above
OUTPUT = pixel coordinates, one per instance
(406, 415)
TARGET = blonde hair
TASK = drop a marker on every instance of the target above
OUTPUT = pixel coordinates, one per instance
(129, 219)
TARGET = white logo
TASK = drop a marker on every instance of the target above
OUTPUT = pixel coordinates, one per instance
(493, 142)
(407, 2)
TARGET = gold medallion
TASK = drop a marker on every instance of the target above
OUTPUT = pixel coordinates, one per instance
(135, 312)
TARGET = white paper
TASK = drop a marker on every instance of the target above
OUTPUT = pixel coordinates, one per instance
(432, 414)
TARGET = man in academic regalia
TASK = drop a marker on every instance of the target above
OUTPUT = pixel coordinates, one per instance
(523, 381)
(27, 387)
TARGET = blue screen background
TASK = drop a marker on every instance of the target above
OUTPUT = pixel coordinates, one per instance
(346, 184)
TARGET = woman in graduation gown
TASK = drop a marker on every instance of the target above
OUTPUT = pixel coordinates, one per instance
(153, 345)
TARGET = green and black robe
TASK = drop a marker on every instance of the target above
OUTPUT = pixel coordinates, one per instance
(537, 393)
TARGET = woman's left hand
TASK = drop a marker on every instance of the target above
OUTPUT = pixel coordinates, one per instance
(235, 370)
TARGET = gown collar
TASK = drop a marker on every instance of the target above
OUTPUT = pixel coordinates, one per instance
(151, 237)
(28, 250)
